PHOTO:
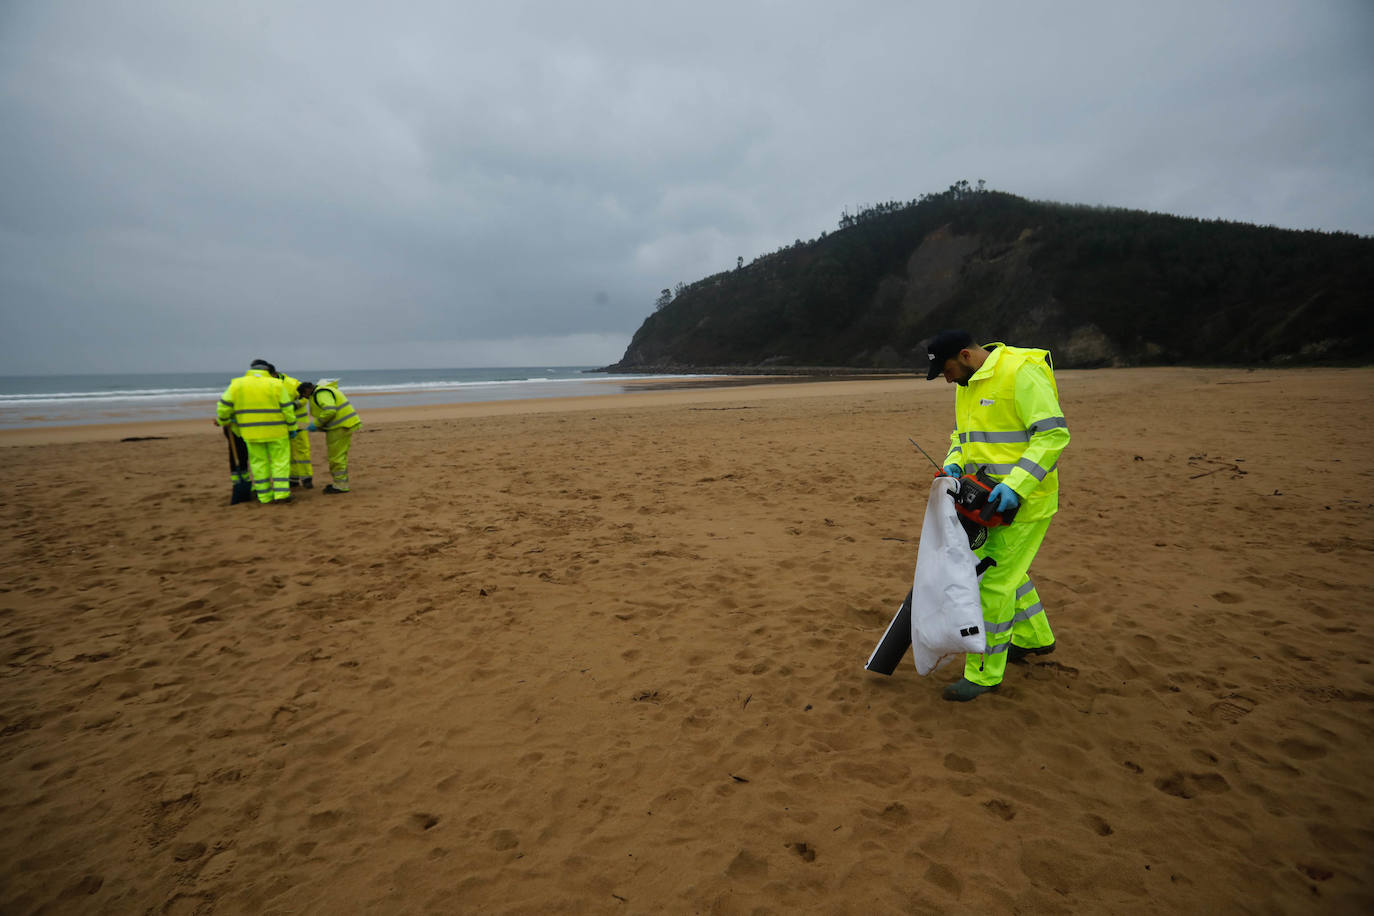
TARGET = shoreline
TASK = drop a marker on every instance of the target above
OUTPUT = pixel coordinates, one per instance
(646, 392)
(643, 392)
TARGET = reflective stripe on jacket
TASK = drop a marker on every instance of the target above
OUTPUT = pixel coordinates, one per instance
(256, 407)
(334, 412)
(1008, 420)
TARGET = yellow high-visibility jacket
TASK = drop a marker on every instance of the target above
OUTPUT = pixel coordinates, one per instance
(292, 386)
(331, 410)
(257, 407)
(1009, 422)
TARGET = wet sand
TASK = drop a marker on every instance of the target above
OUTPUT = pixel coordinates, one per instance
(606, 654)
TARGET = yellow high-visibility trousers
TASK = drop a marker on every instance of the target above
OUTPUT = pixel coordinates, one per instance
(300, 458)
(270, 462)
(1011, 608)
(338, 442)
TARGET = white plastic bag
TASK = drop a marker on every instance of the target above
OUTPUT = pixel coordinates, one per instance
(946, 613)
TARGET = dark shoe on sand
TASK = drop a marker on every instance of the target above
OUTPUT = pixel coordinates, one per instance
(963, 690)
(330, 488)
(1018, 654)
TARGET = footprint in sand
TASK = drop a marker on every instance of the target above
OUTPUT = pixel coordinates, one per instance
(423, 821)
(1191, 785)
(1316, 872)
(1098, 825)
(1001, 808)
(1232, 708)
(960, 764)
(897, 813)
(746, 865)
(82, 887)
(1301, 750)
(323, 820)
(943, 878)
(188, 852)
(218, 866)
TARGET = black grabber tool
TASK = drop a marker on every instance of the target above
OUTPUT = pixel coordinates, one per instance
(897, 637)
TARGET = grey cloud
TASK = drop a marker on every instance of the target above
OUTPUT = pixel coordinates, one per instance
(431, 178)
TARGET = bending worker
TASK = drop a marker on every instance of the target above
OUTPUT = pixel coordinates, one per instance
(1008, 421)
(258, 408)
(302, 475)
(332, 413)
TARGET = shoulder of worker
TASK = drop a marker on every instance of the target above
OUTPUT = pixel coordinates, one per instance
(1035, 384)
(1022, 354)
(1035, 362)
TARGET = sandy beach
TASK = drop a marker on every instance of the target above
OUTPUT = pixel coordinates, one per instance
(605, 655)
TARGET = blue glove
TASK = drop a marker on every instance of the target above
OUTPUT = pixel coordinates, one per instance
(311, 427)
(293, 434)
(1003, 499)
(953, 470)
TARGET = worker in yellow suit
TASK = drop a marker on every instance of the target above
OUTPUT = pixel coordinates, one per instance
(257, 407)
(331, 412)
(302, 474)
(1008, 422)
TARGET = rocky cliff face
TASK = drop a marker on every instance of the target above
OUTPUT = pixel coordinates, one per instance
(1097, 287)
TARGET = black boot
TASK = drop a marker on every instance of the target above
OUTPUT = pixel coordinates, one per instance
(1017, 654)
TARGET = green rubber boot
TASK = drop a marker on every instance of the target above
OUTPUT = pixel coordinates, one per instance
(963, 690)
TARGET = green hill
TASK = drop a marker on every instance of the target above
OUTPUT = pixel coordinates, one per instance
(1098, 286)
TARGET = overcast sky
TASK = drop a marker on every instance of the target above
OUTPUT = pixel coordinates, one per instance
(189, 185)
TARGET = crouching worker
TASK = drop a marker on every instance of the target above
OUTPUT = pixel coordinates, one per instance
(331, 412)
(258, 408)
(1008, 422)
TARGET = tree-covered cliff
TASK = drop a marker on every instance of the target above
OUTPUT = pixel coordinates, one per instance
(1098, 286)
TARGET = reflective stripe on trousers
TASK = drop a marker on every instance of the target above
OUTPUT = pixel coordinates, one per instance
(1027, 606)
(1011, 606)
(270, 462)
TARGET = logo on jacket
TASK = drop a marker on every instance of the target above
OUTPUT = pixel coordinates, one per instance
(987, 402)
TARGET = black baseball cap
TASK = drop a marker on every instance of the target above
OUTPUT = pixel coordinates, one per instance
(943, 346)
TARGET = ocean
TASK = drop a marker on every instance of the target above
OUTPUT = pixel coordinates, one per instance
(70, 400)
